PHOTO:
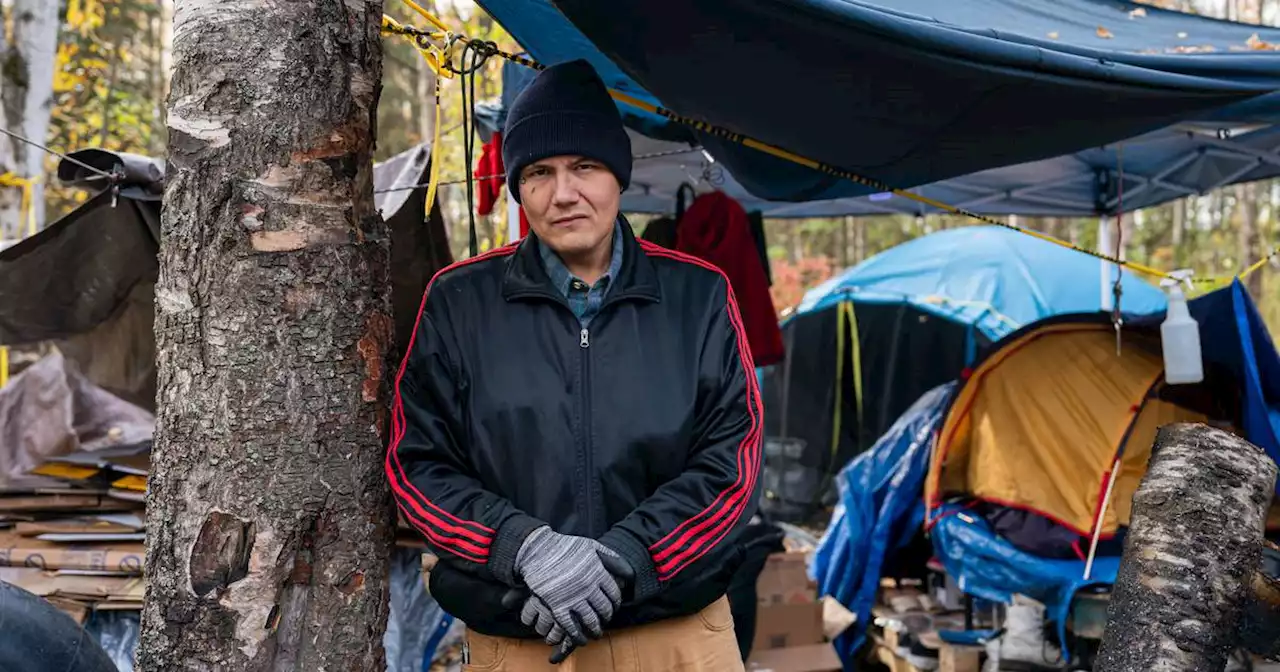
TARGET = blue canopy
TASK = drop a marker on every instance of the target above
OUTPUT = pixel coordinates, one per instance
(917, 93)
(1141, 172)
(1153, 168)
(993, 278)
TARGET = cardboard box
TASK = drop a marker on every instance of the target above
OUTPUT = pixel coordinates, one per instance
(812, 658)
(780, 626)
(784, 580)
(18, 551)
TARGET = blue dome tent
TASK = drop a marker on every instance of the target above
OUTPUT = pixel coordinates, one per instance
(865, 345)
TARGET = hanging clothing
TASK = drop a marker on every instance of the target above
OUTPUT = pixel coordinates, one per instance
(487, 190)
(757, 233)
(715, 229)
(489, 166)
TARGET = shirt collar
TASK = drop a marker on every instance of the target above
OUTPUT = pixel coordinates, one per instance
(560, 276)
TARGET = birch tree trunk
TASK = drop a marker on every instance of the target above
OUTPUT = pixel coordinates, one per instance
(26, 90)
(1194, 543)
(269, 525)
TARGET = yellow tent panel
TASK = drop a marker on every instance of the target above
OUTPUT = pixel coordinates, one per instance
(1038, 426)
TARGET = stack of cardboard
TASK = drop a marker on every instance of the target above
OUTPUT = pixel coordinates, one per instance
(72, 530)
(789, 620)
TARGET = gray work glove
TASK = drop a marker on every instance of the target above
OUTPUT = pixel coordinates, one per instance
(568, 575)
(534, 612)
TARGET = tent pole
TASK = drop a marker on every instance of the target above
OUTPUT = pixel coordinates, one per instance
(1102, 514)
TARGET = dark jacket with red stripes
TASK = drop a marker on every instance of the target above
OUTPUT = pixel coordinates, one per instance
(643, 431)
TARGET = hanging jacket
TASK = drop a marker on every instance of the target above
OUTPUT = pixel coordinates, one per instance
(489, 169)
(489, 182)
(715, 228)
(642, 431)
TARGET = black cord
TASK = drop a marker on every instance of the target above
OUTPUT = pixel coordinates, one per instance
(468, 132)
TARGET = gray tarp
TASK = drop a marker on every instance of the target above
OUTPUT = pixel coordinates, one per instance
(50, 410)
(86, 281)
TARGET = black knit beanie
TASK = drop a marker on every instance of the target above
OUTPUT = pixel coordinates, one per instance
(565, 111)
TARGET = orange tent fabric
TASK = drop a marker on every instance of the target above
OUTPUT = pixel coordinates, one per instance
(1038, 426)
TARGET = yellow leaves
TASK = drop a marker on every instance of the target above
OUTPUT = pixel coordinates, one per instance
(1104, 33)
(1053, 35)
(1258, 44)
(1138, 13)
(83, 16)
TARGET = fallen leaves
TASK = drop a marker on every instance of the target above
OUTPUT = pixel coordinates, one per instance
(1104, 33)
(1053, 35)
(1139, 12)
(1258, 44)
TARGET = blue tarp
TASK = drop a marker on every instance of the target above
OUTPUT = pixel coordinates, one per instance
(1170, 163)
(985, 565)
(923, 91)
(993, 278)
(882, 499)
(880, 509)
(1233, 335)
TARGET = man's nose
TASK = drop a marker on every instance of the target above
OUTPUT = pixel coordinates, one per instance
(566, 192)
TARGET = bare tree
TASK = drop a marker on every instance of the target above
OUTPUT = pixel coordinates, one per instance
(269, 526)
(26, 94)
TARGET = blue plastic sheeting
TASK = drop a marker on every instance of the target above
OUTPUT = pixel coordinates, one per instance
(993, 278)
(879, 511)
(920, 92)
(986, 566)
(1233, 335)
(1136, 173)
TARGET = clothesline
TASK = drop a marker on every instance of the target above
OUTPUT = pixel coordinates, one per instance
(502, 176)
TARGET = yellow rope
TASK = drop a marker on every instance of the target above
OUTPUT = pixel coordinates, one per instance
(1258, 264)
(856, 355)
(27, 214)
(26, 207)
(778, 152)
(839, 406)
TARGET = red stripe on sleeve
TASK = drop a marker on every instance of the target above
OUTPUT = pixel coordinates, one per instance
(468, 539)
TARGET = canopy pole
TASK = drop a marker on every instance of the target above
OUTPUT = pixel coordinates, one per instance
(1104, 267)
(513, 219)
(1102, 515)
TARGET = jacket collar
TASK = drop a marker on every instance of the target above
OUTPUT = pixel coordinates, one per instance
(526, 276)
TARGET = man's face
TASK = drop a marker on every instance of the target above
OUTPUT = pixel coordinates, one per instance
(571, 203)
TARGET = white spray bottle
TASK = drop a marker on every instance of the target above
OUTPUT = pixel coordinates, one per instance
(1180, 335)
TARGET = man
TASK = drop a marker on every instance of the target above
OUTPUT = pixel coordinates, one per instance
(577, 419)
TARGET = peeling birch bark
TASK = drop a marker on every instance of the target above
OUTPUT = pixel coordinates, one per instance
(1194, 544)
(269, 525)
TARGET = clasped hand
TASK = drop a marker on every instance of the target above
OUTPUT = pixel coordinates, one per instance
(574, 586)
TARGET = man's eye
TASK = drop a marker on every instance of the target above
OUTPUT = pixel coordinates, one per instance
(587, 166)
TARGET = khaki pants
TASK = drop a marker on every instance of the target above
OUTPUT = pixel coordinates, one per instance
(703, 642)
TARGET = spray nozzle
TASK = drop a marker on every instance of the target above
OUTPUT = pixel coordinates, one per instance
(1180, 276)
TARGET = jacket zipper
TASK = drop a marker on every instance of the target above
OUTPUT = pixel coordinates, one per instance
(584, 346)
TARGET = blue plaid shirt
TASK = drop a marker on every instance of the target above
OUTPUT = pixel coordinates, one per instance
(585, 300)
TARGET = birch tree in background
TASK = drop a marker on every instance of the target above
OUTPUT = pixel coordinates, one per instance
(26, 96)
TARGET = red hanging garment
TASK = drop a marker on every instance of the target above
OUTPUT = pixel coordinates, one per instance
(488, 190)
(489, 166)
(716, 229)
